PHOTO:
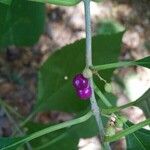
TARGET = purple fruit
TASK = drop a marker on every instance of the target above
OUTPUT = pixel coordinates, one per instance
(85, 93)
(80, 82)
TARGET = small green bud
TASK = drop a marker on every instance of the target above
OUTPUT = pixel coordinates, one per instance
(118, 123)
(110, 131)
(108, 87)
(87, 73)
(123, 119)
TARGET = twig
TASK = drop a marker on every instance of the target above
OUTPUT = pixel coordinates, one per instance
(94, 106)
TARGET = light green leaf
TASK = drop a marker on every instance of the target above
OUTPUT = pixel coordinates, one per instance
(7, 2)
(62, 2)
(21, 23)
(139, 140)
(59, 2)
(56, 93)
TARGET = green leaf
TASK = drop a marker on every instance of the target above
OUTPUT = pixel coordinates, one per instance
(21, 23)
(59, 2)
(144, 103)
(145, 62)
(62, 2)
(109, 27)
(139, 140)
(7, 2)
(56, 93)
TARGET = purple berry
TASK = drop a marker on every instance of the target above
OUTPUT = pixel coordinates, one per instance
(85, 93)
(80, 82)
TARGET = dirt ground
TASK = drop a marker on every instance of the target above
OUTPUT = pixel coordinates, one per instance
(19, 65)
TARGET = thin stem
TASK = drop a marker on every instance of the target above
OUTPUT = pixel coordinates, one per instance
(23, 123)
(94, 106)
(101, 96)
(114, 65)
(17, 128)
(88, 33)
(49, 130)
(54, 140)
(116, 109)
(120, 64)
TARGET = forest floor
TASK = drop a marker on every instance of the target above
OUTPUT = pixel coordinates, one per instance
(19, 65)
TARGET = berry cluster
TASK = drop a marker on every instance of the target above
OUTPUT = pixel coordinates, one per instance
(82, 87)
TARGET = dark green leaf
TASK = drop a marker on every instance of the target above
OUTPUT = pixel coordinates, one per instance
(145, 62)
(139, 140)
(144, 103)
(21, 23)
(56, 93)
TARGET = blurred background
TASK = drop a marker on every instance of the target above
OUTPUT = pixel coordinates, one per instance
(64, 25)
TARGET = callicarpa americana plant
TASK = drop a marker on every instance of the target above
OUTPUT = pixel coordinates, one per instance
(93, 61)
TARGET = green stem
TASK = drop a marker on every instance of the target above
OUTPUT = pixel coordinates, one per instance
(116, 109)
(94, 106)
(101, 96)
(23, 123)
(114, 65)
(111, 109)
(127, 131)
(50, 129)
(120, 64)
